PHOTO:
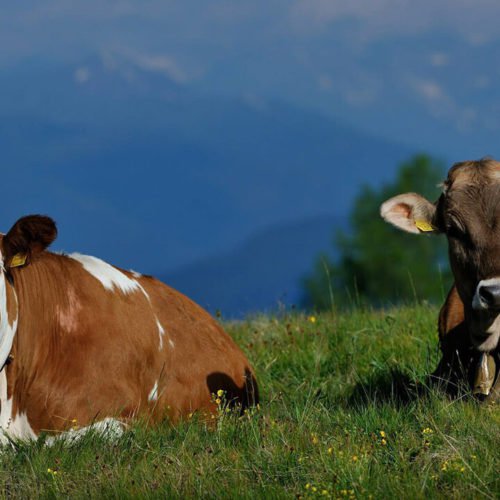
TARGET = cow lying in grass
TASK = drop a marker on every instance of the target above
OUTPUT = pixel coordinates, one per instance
(83, 342)
(468, 213)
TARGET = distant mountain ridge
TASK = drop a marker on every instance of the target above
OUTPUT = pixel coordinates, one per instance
(153, 176)
(262, 274)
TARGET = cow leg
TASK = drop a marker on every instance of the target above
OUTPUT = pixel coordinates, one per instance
(454, 368)
(461, 366)
(109, 428)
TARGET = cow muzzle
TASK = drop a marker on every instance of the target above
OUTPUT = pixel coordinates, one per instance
(487, 296)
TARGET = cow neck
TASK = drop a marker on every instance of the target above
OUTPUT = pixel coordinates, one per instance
(8, 317)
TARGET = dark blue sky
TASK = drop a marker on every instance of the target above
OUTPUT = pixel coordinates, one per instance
(158, 133)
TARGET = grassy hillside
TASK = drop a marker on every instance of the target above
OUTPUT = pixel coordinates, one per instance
(333, 422)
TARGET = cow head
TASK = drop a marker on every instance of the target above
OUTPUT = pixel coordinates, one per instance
(29, 236)
(468, 213)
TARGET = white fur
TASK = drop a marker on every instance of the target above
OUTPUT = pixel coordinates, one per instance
(12, 428)
(153, 395)
(493, 330)
(7, 331)
(491, 342)
(161, 332)
(111, 428)
(19, 428)
(108, 276)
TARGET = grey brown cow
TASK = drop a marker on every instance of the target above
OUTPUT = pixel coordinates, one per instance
(468, 213)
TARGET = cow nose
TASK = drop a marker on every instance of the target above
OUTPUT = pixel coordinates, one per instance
(490, 296)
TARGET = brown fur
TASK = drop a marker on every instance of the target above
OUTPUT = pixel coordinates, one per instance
(83, 352)
(459, 358)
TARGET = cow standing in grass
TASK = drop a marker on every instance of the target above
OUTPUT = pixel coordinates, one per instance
(468, 213)
(83, 342)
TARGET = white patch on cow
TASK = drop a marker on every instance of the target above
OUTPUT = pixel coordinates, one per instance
(135, 274)
(109, 428)
(493, 330)
(109, 276)
(7, 329)
(161, 332)
(12, 428)
(153, 395)
(491, 342)
(144, 293)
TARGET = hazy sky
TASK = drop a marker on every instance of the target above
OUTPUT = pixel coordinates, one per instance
(359, 60)
(209, 78)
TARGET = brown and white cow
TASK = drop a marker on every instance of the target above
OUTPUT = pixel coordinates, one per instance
(82, 341)
(468, 213)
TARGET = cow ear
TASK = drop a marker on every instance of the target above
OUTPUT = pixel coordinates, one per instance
(410, 212)
(29, 236)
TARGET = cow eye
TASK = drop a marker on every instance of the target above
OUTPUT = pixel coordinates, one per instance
(455, 229)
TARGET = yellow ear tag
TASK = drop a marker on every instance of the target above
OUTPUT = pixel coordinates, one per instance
(18, 260)
(424, 226)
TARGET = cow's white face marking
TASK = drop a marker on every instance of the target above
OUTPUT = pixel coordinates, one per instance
(17, 427)
(485, 326)
(110, 277)
(153, 395)
(8, 326)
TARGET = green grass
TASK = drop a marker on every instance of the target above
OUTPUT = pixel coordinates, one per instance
(333, 422)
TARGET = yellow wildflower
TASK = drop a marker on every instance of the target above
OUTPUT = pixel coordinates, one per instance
(314, 488)
(218, 401)
(354, 458)
(330, 451)
(427, 430)
(308, 486)
(324, 492)
(312, 319)
(382, 434)
(220, 393)
(383, 442)
(314, 438)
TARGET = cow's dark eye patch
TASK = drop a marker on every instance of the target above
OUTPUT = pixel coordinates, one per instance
(455, 229)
